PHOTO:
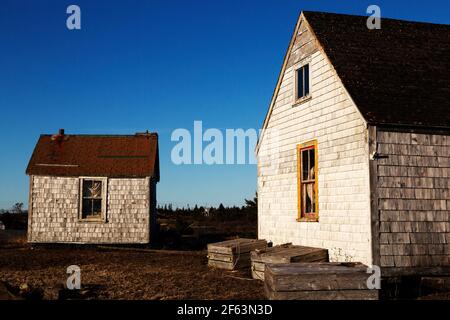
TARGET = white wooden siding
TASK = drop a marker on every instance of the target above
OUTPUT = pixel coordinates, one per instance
(343, 174)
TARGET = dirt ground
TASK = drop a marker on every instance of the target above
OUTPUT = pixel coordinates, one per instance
(126, 273)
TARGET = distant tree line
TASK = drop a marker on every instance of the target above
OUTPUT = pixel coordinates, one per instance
(15, 217)
(247, 212)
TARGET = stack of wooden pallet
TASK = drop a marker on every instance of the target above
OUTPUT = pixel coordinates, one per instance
(318, 281)
(285, 253)
(233, 254)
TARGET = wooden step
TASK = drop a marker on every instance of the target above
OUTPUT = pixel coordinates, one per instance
(233, 254)
(285, 253)
(318, 281)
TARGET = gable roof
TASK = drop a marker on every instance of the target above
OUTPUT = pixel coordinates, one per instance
(112, 156)
(397, 75)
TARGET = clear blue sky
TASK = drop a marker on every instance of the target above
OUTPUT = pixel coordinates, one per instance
(156, 65)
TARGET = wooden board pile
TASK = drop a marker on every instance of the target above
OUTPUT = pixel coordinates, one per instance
(233, 254)
(318, 281)
(285, 253)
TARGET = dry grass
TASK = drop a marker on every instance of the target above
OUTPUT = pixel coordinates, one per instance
(126, 274)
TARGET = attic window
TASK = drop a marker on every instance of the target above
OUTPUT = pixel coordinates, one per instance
(302, 83)
(92, 199)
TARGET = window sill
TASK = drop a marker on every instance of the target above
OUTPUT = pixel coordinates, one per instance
(301, 100)
(307, 219)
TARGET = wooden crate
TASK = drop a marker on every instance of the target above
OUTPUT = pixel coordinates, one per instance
(233, 254)
(317, 281)
(285, 253)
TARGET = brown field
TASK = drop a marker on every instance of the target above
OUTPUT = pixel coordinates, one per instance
(178, 270)
(126, 273)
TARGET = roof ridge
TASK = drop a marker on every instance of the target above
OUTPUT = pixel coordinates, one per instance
(153, 134)
(382, 17)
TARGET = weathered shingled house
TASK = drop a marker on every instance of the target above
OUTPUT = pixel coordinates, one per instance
(354, 155)
(93, 188)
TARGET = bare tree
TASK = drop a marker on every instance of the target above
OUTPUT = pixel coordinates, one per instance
(17, 208)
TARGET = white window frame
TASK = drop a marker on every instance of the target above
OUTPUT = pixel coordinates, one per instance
(297, 67)
(103, 215)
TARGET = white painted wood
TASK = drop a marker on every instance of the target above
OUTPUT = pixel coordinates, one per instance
(344, 207)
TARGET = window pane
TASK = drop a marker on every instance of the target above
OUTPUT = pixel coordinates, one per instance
(87, 208)
(304, 196)
(311, 164)
(299, 83)
(87, 186)
(306, 77)
(304, 165)
(96, 189)
(97, 207)
(309, 196)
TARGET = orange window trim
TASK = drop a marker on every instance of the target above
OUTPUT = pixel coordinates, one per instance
(305, 146)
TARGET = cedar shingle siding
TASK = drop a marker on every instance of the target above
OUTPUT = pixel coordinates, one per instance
(127, 168)
(414, 199)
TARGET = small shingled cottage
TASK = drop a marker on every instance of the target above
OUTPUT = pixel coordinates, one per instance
(93, 188)
(354, 154)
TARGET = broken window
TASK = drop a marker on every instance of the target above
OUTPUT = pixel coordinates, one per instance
(307, 181)
(302, 80)
(92, 197)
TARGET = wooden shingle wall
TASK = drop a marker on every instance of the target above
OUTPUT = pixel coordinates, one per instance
(414, 199)
(332, 119)
(55, 212)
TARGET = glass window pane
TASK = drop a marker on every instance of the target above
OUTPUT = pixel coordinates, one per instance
(303, 204)
(97, 207)
(299, 83)
(86, 207)
(309, 195)
(306, 77)
(96, 189)
(87, 185)
(304, 165)
(311, 164)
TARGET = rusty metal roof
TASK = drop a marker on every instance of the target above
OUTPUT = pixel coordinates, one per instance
(96, 155)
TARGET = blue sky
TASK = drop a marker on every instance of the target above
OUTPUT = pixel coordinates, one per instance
(156, 65)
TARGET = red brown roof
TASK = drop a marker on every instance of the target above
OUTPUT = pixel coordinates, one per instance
(96, 155)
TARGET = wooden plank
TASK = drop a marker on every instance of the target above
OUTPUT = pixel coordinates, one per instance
(227, 257)
(258, 275)
(236, 246)
(435, 283)
(258, 266)
(316, 276)
(313, 282)
(323, 295)
(374, 208)
(229, 265)
(286, 253)
(30, 210)
(415, 271)
(300, 268)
